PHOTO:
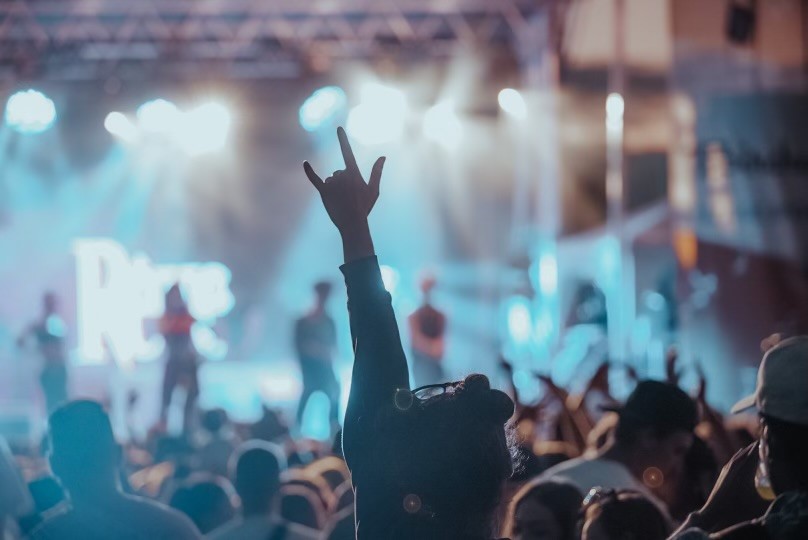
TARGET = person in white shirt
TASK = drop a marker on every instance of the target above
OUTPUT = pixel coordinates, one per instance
(255, 469)
(653, 433)
(85, 458)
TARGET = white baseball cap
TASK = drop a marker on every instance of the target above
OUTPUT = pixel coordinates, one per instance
(782, 383)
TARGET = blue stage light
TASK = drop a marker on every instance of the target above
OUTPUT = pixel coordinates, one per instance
(519, 319)
(321, 107)
(30, 111)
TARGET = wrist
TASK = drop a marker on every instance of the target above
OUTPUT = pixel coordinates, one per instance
(356, 241)
(353, 229)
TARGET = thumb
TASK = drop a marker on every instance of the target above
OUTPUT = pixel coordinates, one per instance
(376, 175)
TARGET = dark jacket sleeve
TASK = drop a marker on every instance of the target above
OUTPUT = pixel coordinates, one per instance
(380, 367)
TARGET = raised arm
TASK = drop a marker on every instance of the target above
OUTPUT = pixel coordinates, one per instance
(380, 366)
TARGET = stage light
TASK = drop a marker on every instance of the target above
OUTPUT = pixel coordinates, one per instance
(119, 125)
(321, 107)
(314, 423)
(207, 343)
(30, 111)
(609, 262)
(512, 102)
(390, 278)
(519, 319)
(548, 274)
(381, 115)
(442, 126)
(615, 107)
(204, 129)
(654, 301)
(158, 116)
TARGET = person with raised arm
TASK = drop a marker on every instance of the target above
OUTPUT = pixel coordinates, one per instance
(428, 462)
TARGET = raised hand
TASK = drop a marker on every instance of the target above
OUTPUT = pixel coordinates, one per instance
(672, 375)
(346, 197)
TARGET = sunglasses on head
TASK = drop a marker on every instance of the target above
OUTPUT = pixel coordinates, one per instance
(405, 398)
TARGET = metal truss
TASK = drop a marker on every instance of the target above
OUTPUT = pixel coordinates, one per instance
(87, 39)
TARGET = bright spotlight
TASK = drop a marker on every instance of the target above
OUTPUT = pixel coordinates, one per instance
(512, 103)
(548, 274)
(205, 128)
(381, 115)
(322, 106)
(119, 125)
(614, 105)
(519, 319)
(158, 116)
(442, 126)
(390, 278)
(30, 111)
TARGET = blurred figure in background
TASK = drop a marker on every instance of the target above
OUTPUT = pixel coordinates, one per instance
(49, 333)
(622, 515)
(182, 362)
(315, 343)
(208, 500)
(86, 460)
(653, 434)
(219, 442)
(255, 469)
(546, 510)
(427, 338)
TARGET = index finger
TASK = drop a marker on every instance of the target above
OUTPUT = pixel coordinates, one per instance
(347, 153)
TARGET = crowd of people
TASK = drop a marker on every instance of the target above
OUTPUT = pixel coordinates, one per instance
(446, 460)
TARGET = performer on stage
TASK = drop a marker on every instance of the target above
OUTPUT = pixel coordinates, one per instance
(181, 356)
(49, 333)
(427, 338)
(315, 343)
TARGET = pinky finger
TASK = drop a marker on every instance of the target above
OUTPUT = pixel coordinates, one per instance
(315, 180)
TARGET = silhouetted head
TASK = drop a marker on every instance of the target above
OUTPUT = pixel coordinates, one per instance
(207, 500)
(545, 510)
(447, 456)
(214, 420)
(50, 302)
(255, 468)
(656, 427)
(322, 291)
(301, 505)
(427, 285)
(174, 299)
(610, 515)
(83, 452)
